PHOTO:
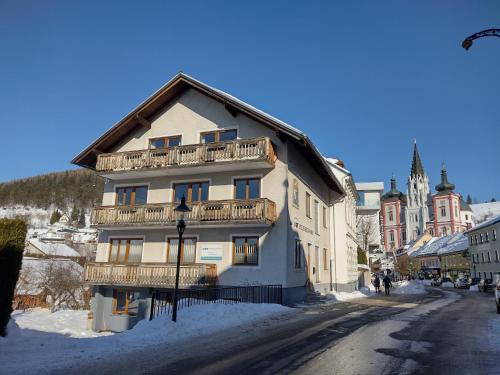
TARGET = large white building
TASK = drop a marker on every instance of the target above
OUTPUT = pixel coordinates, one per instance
(267, 208)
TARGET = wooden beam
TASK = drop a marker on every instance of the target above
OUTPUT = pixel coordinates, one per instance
(97, 152)
(145, 123)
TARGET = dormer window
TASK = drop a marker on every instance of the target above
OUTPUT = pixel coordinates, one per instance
(218, 136)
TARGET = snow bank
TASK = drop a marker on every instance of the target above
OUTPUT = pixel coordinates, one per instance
(426, 282)
(474, 288)
(346, 296)
(447, 285)
(71, 323)
(60, 340)
(408, 287)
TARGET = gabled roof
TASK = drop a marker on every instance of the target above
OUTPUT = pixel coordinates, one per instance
(175, 87)
(458, 243)
(54, 249)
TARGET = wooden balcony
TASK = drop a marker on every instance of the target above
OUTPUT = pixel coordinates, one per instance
(251, 211)
(150, 274)
(240, 151)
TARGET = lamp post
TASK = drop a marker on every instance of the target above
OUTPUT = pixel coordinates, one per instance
(467, 43)
(181, 227)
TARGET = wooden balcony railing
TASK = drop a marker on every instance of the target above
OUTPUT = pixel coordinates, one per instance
(150, 274)
(260, 210)
(189, 155)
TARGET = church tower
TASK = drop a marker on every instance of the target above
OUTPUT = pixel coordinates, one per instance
(418, 199)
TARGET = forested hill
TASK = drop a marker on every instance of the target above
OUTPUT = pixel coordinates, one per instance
(81, 188)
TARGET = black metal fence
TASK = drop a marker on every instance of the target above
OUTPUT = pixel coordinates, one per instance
(161, 301)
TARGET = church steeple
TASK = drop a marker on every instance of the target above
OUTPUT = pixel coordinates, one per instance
(416, 166)
(444, 186)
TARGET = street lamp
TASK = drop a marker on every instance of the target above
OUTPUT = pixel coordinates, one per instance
(467, 43)
(181, 227)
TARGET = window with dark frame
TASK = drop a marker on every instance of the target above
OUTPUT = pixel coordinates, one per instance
(298, 254)
(325, 259)
(391, 215)
(494, 234)
(193, 191)
(443, 211)
(218, 136)
(125, 302)
(247, 188)
(246, 251)
(325, 217)
(131, 195)
(308, 205)
(125, 251)
(164, 142)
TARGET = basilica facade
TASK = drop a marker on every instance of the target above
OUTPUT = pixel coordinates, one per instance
(407, 216)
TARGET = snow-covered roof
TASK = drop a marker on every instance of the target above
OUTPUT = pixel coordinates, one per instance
(32, 272)
(456, 244)
(366, 186)
(485, 224)
(54, 249)
(431, 247)
(485, 211)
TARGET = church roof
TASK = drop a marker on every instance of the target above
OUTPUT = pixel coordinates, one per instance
(444, 186)
(464, 206)
(417, 168)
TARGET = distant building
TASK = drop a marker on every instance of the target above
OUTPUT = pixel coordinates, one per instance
(368, 215)
(484, 249)
(406, 217)
(39, 248)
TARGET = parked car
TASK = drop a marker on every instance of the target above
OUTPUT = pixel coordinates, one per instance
(436, 282)
(461, 283)
(485, 285)
(475, 281)
(497, 294)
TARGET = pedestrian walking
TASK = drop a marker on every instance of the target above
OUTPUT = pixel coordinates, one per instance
(376, 284)
(387, 284)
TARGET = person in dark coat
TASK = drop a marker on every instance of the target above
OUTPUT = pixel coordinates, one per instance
(376, 284)
(387, 284)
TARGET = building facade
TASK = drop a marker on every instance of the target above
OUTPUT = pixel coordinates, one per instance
(438, 214)
(264, 204)
(369, 230)
(484, 248)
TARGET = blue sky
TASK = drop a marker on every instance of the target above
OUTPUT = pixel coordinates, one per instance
(362, 79)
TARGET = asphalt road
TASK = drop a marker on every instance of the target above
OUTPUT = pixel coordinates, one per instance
(442, 332)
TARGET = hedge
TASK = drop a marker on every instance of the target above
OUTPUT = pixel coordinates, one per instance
(12, 240)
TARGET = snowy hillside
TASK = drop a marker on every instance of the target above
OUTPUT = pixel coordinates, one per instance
(35, 217)
(485, 211)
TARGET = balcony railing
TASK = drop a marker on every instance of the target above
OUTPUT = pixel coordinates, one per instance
(260, 210)
(150, 274)
(189, 155)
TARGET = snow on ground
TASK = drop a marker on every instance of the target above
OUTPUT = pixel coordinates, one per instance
(58, 340)
(426, 282)
(474, 288)
(408, 287)
(346, 296)
(447, 284)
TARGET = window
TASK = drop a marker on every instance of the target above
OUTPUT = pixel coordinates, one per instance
(482, 257)
(218, 136)
(316, 217)
(403, 235)
(489, 257)
(391, 235)
(486, 239)
(188, 250)
(193, 191)
(494, 234)
(245, 250)
(443, 211)
(475, 239)
(247, 188)
(444, 231)
(325, 217)
(308, 204)
(125, 251)
(325, 259)
(470, 240)
(165, 142)
(391, 215)
(125, 302)
(496, 256)
(456, 210)
(131, 195)
(466, 217)
(298, 255)
(480, 238)
(295, 198)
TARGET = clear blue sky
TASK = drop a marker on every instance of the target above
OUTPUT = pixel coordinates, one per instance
(362, 79)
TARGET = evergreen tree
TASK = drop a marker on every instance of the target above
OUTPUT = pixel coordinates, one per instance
(469, 199)
(54, 218)
(81, 220)
(75, 214)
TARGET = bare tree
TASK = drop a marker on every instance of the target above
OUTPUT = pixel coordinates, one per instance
(366, 230)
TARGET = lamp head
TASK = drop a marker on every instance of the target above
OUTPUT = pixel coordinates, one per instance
(181, 210)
